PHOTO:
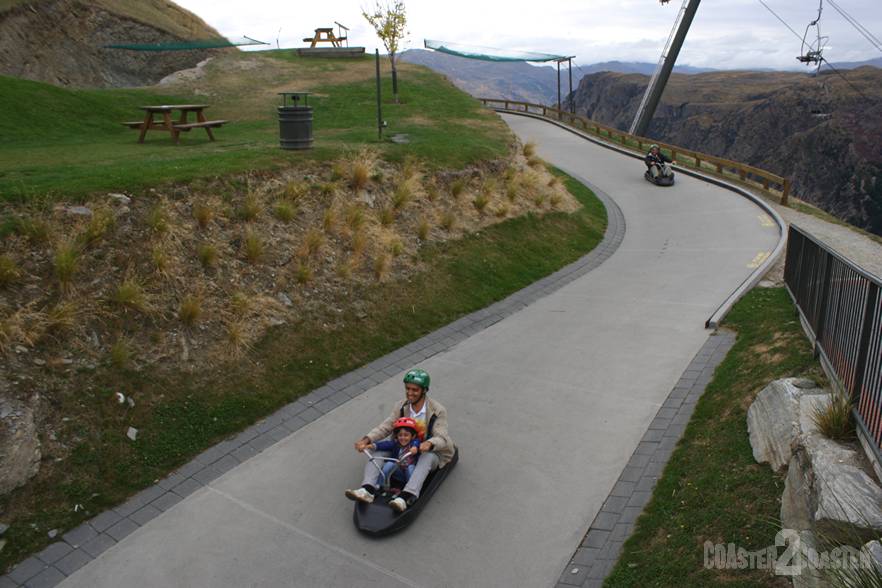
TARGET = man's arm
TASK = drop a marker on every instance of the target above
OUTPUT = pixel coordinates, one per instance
(440, 437)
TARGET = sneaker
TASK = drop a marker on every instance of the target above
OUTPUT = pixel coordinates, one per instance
(360, 494)
(398, 504)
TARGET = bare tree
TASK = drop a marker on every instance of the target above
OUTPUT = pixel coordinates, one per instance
(389, 21)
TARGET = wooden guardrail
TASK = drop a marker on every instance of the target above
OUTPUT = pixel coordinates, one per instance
(704, 162)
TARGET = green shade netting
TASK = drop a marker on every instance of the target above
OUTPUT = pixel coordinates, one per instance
(488, 53)
(187, 45)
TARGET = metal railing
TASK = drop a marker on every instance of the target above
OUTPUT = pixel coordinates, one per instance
(728, 169)
(841, 307)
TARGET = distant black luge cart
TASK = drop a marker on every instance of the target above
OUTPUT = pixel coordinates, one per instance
(175, 127)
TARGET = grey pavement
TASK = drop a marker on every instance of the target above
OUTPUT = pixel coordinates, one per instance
(549, 392)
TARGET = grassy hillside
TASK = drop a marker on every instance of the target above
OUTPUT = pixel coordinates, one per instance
(60, 138)
(161, 14)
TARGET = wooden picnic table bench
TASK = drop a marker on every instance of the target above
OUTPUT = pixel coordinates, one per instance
(175, 127)
(324, 35)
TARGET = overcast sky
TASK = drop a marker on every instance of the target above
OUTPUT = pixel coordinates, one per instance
(726, 34)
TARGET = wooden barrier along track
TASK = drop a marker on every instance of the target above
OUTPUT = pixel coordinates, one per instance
(752, 176)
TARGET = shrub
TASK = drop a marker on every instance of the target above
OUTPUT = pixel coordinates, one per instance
(359, 174)
(284, 211)
(61, 317)
(410, 168)
(458, 186)
(160, 259)
(387, 216)
(295, 190)
(190, 310)
(553, 182)
(329, 220)
(304, 273)
(555, 200)
(102, 220)
(535, 162)
(313, 242)
(834, 419)
(502, 211)
(250, 208)
(36, 230)
(511, 190)
(432, 192)
(157, 218)
(538, 199)
(121, 353)
(401, 196)
(344, 269)
(236, 338)
(396, 248)
(9, 271)
(65, 262)
(423, 229)
(207, 255)
(130, 295)
(359, 243)
(240, 303)
(529, 149)
(202, 213)
(253, 247)
(355, 217)
(381, 266)
(448, 220)
(480, 202)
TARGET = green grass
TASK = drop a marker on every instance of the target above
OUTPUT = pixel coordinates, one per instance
(179, 415)
(712, 489)
(69, 143)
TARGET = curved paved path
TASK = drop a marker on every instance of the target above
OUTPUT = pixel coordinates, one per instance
(547, 406)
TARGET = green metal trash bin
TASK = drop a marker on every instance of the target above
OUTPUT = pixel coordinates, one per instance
(295, 121)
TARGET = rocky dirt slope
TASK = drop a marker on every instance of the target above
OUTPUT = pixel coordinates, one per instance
(820, 131)
(60, 41)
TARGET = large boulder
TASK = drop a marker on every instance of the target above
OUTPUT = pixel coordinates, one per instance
(19, 445)
(773, 420)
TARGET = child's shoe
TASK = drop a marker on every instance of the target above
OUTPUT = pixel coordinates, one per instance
(361, 495)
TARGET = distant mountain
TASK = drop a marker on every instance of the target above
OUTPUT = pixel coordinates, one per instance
(818, 130)
(518, 80)
(855, 64)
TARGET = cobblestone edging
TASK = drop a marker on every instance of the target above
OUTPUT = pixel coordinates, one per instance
(602, 544)
(89, 540)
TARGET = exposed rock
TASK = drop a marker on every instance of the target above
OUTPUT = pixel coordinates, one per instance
(284, 299)
(773, 420)
(120, 198)
(77, 210)
(19, 445)
(132, 433)
(872, 552)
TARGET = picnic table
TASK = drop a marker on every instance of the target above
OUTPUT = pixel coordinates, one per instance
(166, 121)
(325, 35)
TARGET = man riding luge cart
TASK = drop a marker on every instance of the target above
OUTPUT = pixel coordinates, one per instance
(387, 502)
(658, 168)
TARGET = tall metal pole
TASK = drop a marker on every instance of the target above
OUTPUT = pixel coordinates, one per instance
(379, 98)
(558, 87)
(670, 59)
(570, 70)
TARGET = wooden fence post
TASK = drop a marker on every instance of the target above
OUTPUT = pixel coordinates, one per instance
(785, 192)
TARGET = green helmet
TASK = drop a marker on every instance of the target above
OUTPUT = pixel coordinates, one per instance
(418, 377)
(653, 146)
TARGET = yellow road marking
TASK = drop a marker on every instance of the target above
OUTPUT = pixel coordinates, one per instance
(759, 259)
(766, 221)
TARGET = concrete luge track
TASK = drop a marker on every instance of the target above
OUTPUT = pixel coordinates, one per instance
(547, 406)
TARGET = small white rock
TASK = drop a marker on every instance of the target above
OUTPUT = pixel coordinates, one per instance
(120, 198)
(120, 397)
(39, 361)
(21, 349)
(53, 533)
(132, 433)
(130, 402)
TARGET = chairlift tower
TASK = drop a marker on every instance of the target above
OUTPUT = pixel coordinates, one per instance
(659, 79)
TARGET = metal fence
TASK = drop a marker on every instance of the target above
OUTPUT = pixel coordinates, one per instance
(841, 306)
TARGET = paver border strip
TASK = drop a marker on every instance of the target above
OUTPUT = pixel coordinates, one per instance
(750, 281)
(601, 545)
(89, 540)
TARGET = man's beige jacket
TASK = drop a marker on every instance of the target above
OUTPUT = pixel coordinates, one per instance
(442, 444)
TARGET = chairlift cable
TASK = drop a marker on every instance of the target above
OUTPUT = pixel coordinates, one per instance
(775, 14)
(847, 81)
(874, 41)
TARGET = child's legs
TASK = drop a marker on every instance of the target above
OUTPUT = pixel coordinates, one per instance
(388, 468)
(370, 470)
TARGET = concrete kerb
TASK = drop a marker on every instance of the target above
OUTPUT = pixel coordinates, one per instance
(92, 538)
(754, 278)
(615, 521)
